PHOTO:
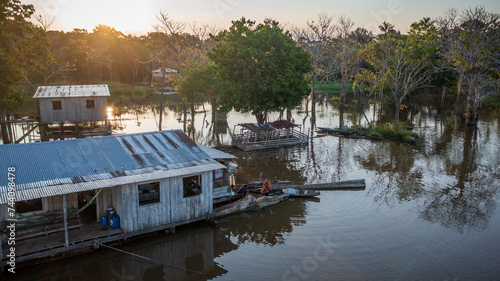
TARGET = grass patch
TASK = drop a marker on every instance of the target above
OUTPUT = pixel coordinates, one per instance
(393, 132)
(121, 91)
(493, 101)
(330, 87)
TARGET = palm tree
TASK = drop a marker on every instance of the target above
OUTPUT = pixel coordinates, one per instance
(362, 36)
(427, 21)
(386, 27)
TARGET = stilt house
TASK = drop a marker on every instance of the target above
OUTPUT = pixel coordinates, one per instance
(153, 181)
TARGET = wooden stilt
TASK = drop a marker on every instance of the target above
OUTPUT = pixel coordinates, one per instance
(66, 240)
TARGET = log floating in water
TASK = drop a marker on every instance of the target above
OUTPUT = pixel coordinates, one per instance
(248, 204)
(341, 185)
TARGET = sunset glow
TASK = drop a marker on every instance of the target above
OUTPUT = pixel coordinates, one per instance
(138, 17)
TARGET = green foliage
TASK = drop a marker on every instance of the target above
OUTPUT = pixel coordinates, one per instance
(393, 131)
(125, 92)
(196, 83)
(261, 68)
(22, 46)
(330, 87)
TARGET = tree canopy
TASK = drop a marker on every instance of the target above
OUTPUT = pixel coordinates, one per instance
(261, 68)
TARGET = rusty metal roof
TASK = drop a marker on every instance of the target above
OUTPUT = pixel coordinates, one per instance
(283, 124)
(60, 167)
(72, 91)
(268, 127)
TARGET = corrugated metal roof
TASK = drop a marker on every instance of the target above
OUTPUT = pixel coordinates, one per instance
(72, 91)
(61, 167)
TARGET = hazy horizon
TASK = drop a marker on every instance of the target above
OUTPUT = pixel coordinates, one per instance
(132, 17)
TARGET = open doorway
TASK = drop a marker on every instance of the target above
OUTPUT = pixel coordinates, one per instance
(88, 215)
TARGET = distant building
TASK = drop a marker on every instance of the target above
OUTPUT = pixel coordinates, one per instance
(76, 103)
(157, 73)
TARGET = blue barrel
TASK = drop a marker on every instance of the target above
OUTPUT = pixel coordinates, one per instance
(115, 221)
(104, 220)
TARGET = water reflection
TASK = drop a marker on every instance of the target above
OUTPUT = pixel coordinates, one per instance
(397, 178)
(267, 227)
(469, 202)
(188, 255)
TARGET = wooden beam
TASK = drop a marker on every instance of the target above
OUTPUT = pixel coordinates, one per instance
(27, 133)
(66, 240)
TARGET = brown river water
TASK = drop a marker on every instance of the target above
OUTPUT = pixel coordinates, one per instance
(429, 211)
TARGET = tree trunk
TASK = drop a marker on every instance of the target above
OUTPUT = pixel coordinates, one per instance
(289, 115)
(443, 96)
(472, 107)
(313, 93)
(3, 125)
(396, 115)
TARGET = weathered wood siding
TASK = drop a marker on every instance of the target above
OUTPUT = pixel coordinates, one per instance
(49, 204)
(55, 203)
(173, 207)
(73, 110)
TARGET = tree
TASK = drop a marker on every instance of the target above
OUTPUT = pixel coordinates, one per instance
(346, 56)
(316, 39)
(469, 46)
(261, 67)
(18, 46)
(402, 66)
(386, 28)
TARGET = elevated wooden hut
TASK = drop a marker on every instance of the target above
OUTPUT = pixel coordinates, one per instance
(251, 136)
(73, 105)
(153, 181)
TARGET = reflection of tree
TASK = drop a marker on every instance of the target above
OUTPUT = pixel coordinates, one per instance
(396, 174)
(279, 164)
(269, 226)
(460, 208)
(469, 202)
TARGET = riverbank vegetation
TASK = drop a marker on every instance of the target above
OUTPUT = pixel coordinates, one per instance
(245, 68)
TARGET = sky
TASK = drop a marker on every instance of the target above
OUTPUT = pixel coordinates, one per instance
(138, 17)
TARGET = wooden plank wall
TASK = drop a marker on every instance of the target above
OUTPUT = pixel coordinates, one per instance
(171, 208)
(49, 204)
(73, 110)
(55, 203)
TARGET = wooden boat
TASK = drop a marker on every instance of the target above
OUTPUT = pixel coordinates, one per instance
(290, 191)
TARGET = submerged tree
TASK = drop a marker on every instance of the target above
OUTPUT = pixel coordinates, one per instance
(261, 67)
(469, 45)
(316, 39)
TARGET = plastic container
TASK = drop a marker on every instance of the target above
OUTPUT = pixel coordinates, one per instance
(115, 221)
(104, 220)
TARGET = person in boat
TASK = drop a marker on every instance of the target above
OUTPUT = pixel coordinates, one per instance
(243, 189)
(266, 187)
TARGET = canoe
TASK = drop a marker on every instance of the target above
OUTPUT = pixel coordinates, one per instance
(290, 191)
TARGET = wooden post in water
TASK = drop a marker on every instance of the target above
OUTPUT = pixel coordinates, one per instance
(66, 242)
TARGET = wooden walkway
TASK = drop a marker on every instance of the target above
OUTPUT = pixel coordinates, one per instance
(53, 243)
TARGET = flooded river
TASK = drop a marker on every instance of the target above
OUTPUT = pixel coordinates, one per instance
(429, 211)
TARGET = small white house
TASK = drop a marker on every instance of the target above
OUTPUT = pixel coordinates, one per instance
(75, 103)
